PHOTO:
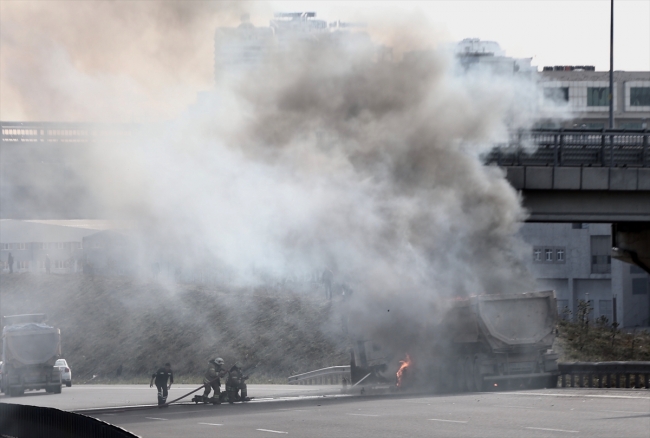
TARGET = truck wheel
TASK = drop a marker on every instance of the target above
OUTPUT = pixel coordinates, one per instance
(57, 389)
(478, 378)
(68, 383)
(459, 377)
(469, 374)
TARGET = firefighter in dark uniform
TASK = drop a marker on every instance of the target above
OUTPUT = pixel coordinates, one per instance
(236, 382)
(161, 376)
(212, 379)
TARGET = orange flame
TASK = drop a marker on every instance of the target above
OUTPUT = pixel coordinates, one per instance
(404, 364)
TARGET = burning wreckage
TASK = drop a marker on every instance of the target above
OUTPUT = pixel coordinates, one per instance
(483, 343)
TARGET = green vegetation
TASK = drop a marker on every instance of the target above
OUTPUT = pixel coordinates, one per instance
(584, 339)
(108, 322)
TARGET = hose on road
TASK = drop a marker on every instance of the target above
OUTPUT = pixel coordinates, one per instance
(189, 393)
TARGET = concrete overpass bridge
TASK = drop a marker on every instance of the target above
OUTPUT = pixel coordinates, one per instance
(585, 176)
(563, 175)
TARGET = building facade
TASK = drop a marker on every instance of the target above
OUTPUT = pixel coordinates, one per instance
(582, 93)
(575, 261)
(31, 243)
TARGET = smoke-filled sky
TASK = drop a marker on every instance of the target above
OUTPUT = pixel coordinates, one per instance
(323, 156)
(138, 61)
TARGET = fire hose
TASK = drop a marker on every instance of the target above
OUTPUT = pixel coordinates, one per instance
(205, 384)
(189, 393)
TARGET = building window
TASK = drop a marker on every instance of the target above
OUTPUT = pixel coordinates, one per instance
(601, 260)
(548, 255)
(22, 246)
(639, 286)
(23, 265)
(631, 125)
(605, 309)
(6, 246)
(556, 94)
(598, 96)
(634, 269)
(563, 308)
(640, 96)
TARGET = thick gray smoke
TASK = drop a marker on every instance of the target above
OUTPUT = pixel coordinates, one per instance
(326, 155)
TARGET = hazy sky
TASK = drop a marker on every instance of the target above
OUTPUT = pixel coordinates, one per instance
(552, 32)
(132, 60)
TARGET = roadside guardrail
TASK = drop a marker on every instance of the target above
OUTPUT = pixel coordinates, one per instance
(324, 376)
(605, 374)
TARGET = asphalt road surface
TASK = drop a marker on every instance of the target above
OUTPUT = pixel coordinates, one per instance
(299, 411)
(543, 413)
(101, 396)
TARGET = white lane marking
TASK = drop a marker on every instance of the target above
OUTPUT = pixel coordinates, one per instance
(365, 415)
(269, 430)
(518, 407)
(553, 430)
(572, 395)
(623, 412)
(154, 418)
(293, 410)
(447, 421)
(212, 424)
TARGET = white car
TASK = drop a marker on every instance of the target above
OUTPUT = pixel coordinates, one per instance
(66, 373)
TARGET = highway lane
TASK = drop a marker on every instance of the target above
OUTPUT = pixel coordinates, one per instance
(544, 413)
(101, 396)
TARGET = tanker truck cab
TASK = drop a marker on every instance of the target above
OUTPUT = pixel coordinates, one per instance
(30, 349)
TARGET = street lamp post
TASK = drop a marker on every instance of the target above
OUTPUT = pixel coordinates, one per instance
(611, 66)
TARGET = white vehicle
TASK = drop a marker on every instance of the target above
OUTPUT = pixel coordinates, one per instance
(66, 373)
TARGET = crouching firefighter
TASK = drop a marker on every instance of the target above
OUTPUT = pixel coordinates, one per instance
(236, 382)
(212, 380)
(161, 376)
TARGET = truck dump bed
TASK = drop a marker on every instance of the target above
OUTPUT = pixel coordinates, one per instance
(505, 321)
(31, 344)
(518, 320)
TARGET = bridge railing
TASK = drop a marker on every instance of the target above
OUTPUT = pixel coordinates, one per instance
(605, 374)
(571, 147)
(59, 132)
(324, 376)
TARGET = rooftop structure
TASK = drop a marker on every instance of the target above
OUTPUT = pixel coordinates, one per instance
(245, 47)
(472, 52)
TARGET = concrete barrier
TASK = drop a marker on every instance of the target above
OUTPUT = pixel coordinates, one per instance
(605, 374)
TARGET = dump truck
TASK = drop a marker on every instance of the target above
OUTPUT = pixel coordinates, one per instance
(483, 342)
(29, 350)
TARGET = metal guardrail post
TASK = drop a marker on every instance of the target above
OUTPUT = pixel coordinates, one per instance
(645, 159)
(611, 150)
(603, 155)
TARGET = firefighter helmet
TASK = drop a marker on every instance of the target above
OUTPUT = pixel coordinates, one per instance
(219, 361)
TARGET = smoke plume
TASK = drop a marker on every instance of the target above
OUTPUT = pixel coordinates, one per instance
(326, 155)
